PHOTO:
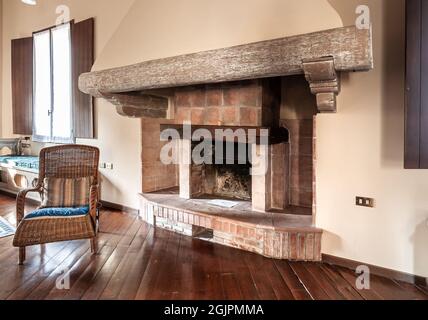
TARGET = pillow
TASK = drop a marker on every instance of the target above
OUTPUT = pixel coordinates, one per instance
(65, 193)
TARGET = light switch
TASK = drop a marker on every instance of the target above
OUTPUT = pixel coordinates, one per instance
(365, 202)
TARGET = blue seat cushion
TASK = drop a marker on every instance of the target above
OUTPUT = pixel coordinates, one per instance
(58, 213)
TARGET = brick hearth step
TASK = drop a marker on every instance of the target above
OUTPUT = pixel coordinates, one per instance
(290, 235)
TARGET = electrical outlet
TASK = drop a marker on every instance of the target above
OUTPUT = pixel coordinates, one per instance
(365, 202)
(109, 166)
(102, 165)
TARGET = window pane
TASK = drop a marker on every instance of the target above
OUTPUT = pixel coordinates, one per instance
(61, 53)
(42, 81)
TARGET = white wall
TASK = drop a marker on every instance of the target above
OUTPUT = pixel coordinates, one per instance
(118, 138)
(361, 153)
(1, 59)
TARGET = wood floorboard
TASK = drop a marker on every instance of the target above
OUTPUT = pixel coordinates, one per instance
(413, 292)
(137, 261)
(348, 292)
(308, 280)
(229, 278)
(292, 281)
(257, 266)
(351, 278)
(183, 279)
(211, 287)
(38, 257)
(324, 281)
(85, 278)
(103, 277)
(110, 228)
(389, 289)
(138, 268)
(112, 290)
(423, 289)
(49, 283)
(26, 288)
(165, 278)
(201, 279)
(147, 289)
(242, 274)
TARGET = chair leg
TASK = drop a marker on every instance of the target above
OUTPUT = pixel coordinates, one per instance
(21, 255)
(94, 247)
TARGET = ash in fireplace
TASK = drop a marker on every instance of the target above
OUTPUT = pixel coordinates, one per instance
(233, 181)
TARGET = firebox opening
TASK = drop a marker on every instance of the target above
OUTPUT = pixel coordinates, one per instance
(228, 173)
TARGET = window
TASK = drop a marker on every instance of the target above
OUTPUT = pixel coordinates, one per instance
(46, 100)
(52, 103)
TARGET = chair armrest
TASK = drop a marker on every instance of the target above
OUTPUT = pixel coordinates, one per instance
(93, 202)
(20, 202)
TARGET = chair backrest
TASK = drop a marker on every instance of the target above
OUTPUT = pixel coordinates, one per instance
(69, 162)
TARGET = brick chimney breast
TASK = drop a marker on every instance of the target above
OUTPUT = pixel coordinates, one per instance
(253, 103)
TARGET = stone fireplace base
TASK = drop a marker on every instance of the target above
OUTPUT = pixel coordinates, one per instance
(281, 235)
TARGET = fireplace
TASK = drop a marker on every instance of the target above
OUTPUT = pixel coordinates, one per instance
(241, 173)
(212, 90)
(237, 175)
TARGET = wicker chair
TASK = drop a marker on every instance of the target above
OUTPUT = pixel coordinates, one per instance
(67, 162)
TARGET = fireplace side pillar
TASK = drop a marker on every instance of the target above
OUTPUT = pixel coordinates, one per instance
(185, 168)
(280, 175)
(261, 177)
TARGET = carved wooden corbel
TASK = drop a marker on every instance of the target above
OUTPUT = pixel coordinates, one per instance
(324, 82)
(136, 105)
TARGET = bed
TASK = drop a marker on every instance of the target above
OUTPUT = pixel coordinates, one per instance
(26, 163)
(17, 171)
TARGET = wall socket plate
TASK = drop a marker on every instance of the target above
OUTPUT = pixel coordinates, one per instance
(106, 165)
(365, 202)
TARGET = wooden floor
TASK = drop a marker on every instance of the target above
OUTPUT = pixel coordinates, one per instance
(137, 262)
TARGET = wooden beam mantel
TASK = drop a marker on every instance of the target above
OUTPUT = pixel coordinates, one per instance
(349, 49)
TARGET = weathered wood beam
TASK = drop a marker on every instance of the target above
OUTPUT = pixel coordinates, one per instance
(323, 81)
(350, 48)
(136, 105)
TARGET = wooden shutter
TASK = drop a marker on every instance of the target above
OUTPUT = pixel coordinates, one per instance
(413, 84)
(22, 86)
(416, 140)
(83, 59)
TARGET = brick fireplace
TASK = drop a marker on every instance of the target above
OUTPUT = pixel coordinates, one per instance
(262, 212)
(271, 213)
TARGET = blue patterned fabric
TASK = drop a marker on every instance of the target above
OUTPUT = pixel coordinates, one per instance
(58, 213)
(31, 163)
